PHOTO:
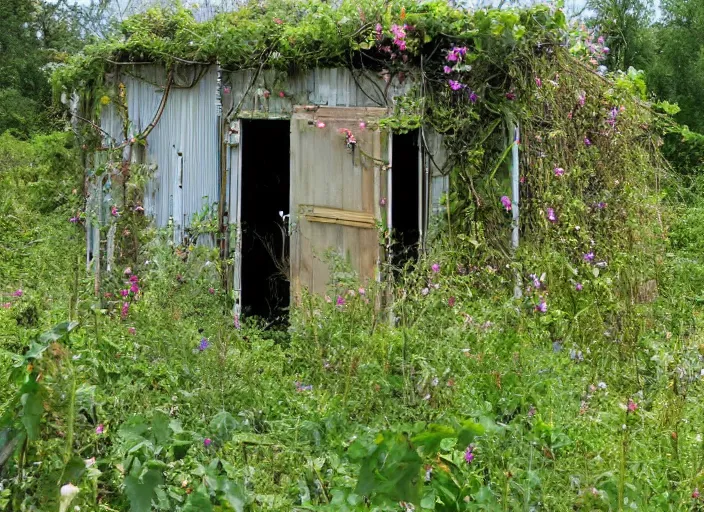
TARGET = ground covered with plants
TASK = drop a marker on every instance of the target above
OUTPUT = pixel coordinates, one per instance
(564, 375)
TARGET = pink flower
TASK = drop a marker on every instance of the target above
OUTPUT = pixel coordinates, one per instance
(582, 99)
(237, 322)
(100, 429)
(320, 124)
(7, 305)
(124, 293)
(578, 287)
(138, 208)
(455, 85)
(559, 171)
(631, 406)
(435, 267)
(340, 301)
(451, 302)
(538, 82)
(207, 442)
(132, 330)
(506, 202)
(282, 94)
(362, 291)
(447, 69)
(382, 201)
(134, 289)
(134, 279)
(362, 125)
(18, 293)
(695, 493)
(587, 142)
(551, 215)
(114, 212)
(211, 290)
(379, 30)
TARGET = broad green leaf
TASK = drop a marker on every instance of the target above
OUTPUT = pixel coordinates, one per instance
(141, 490)
(32, 410)
(160, 428)
(223, 425)
(57, 332)
(198, 502)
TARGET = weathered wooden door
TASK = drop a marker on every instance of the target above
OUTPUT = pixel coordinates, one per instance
(336, 188)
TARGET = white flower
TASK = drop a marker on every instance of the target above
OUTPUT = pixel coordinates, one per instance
(602, 385)
(68, 492)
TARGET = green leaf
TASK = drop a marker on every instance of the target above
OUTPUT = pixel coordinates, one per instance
(58, 331)
(32, 410)
(74, 470)
(428, 501)
(141, 491)
(35, 351)
(160, 428)
(232, 494)
(198, 502)
(223, 425)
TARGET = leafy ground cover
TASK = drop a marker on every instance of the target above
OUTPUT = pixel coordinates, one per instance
(474, 400)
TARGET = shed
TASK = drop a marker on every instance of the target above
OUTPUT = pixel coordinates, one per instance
(290, 171)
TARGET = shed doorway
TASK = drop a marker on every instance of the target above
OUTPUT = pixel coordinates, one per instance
(265, 204)
(406, 186)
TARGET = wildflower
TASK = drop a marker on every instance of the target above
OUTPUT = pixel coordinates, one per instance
(237, 322)
(469, 454)
(582, 99)
(588, 257)
(73, 220)
(124, 293)
(7, 305)
(134, 279)
(18, 293)
(132, 330)
(425, 291)
(435, 382)
(473, 97)
(447, 69)
(600, 40)
(538, 82)
(382, 201)
(506, 202)
(362, 125)
(511, 96)
(578, 287)
(100, 429)
(606, 50)
(536, 281)
(559, 171)
(531, 411)
(211, 290)
(203, 344)
(435, 267)
(398, 32)
(601, 385)
(631, 406)
(207, 442)
(455, 85)
(601, 205)
(138, 208)
(114, 212)
(542, 306)
(587, 142)
(127, 271)
(134, 289)
(340, 301)
(378, 29)
(695, 493)
(320, 124)
(451, 302)
(551, 215)
(125, 309)
(362, 291)
(282, 94)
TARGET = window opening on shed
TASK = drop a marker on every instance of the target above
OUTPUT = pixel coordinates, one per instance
(264, 199)
(405, 198)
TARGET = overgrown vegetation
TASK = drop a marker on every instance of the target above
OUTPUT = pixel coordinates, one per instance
(581, 392)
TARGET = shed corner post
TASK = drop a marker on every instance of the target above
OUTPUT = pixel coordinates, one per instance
(515, 197)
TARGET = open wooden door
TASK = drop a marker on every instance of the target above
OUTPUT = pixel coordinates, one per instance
(336, 189)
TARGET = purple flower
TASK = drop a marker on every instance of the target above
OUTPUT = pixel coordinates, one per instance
(447, 69)
(340, 301)
(589, 257)
(473, 97)
(237, 322)
(578, 287)
(134, 289)
(398, 31)
(100, 429)
(18, 293)
(203, 344)
(454, 85)
(506, 202)
(559, 171)
(378, 29)
(207, 442)
(134, 279)
(510, 96)
(124, 293)
(587, 142)
(601, 205)
(582, 99)
(452, 56)
(435, 267)
(551, 215)
(538, 81)
(606, 50)
(536, 281)
(469, 454)
(73, 220)
(542, 306)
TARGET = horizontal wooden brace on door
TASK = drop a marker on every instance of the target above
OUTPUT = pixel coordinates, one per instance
(355, 219)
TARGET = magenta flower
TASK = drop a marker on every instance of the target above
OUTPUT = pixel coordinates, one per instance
(125, 309)
(340, 301)
(435, 267)
(469, 454)
(203, 344)
(132, 330)
(578, 287)
(398, 31)
(134, 279)
(538, 82)
(587, 142)
(506, 202)
(473, 97)
(73, 220)
(378, 29)
(551, 215)
(451, 302)
(631, 406)
(559, 171)
(542, 306)
(134, 289)
(207, 442)
(362, 125)
(447, 69)
(695, 493)
(100, 429)
(114, 212)
(511, 96)
(455, 85)
(588, 257)
(124, 293)
(18, 293)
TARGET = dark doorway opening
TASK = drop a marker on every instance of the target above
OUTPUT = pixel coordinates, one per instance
(404, 198)
(265, 195)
